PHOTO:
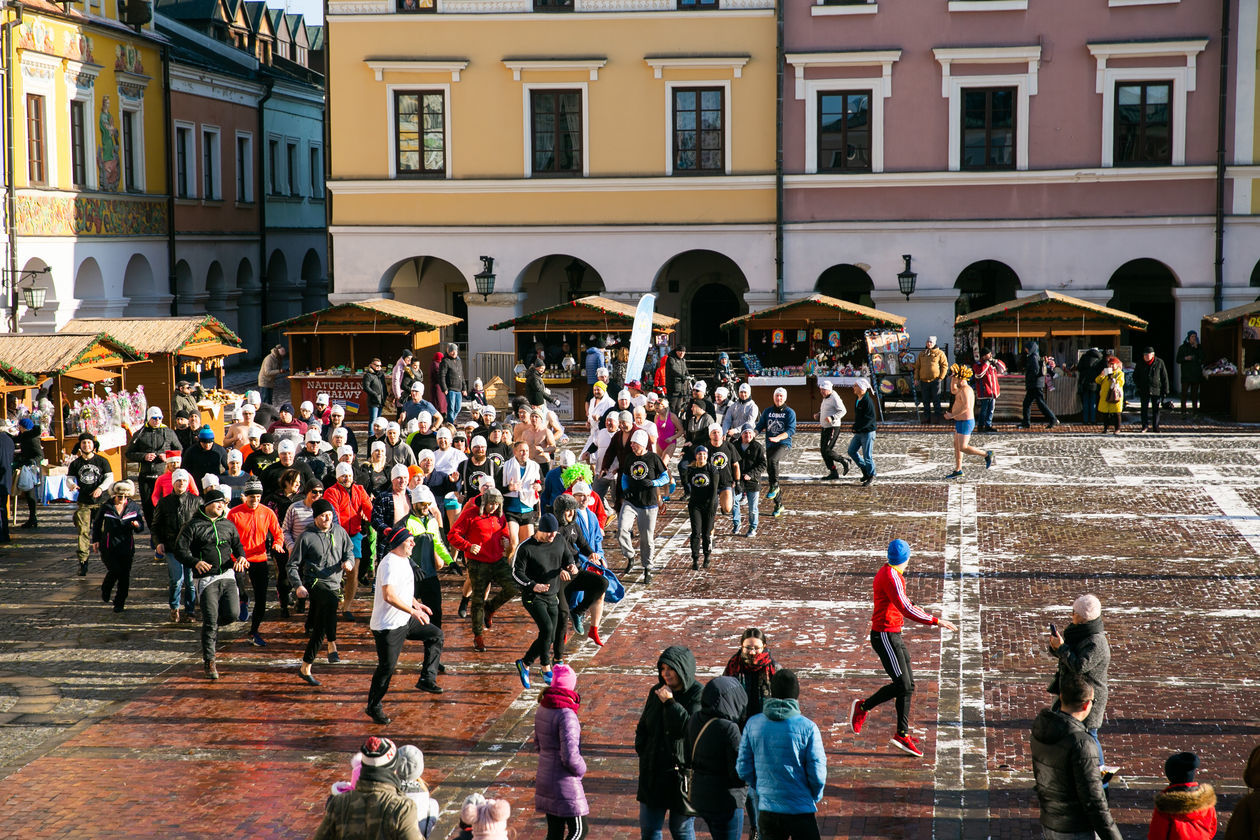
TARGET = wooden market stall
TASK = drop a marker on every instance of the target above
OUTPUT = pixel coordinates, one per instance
(1231, 360)
(795, 344)
(328, 349)
(1063, 326)
(73, 383)
(571, 322)
(177, 348)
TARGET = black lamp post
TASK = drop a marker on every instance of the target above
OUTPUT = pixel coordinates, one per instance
(33, 295)
(485, 278)
(907, 278)
(575, 271)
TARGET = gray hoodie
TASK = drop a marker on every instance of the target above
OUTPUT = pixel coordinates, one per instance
(318, 557)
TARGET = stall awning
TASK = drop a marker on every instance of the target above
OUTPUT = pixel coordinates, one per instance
(30, 355)
(160, 335)
(374, 315)
(820, 308)
(91, 374)
(1046, 308)
(212, 350)
(1228, 316)
(593, 312)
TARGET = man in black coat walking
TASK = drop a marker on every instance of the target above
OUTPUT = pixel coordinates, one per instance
(1035, 387)
(374, 388)
(1150, 378)
(676, 379)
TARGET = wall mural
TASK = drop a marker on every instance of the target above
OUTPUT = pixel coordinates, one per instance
(108, 171)
(64, 215)
(36, 35)
(127, 59)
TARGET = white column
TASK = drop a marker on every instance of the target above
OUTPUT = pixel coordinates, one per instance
(928, 312)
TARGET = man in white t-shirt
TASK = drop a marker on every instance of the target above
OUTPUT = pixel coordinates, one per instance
(397, 616)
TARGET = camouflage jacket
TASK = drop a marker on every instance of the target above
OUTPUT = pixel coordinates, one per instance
(372, 811)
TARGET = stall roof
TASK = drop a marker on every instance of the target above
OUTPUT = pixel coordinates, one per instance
(1228, 316)
(818, 307)
(374, 308)
(593, 312)
(1049, 306)
(26, 356)
(162, 335)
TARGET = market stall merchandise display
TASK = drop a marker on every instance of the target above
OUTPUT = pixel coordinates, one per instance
(1063, 326)
(574, 323)
(181, 348)
(1231, 363)
(328, 349)
(71, 383)
(796, 344)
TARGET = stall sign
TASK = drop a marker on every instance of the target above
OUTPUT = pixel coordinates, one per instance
(885, 341)
(565, 409)
(347, 392)
(1251, 330)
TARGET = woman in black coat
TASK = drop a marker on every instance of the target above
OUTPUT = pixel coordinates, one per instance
(114, 535)
(717, 791)
(659, 741)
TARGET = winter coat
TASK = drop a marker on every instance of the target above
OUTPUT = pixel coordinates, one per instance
(1034, 367)
(1105, 404)
(864, 414)
(716, 787)
(1065, 770)
(739, 413)
(374, 387)
(7, 452)
(675, 376)
(1190, 359)
(157, 440)
(1151, 380)
(472, 528)
(660, 737)
(438, 390)
(536, 391)
(752, 463)
(1244, 823)
(170, 515)
(214, 541)
(1085, 653)
(116, 532)
(832, 411)
(558, 781)
(1087, 369)
(1184, 812)
(781, 755)
(270, 370)
(30, 449)
(931, 365)
(986, 381)
(318, 558)
(259, 529)
(372, 811)
(452, 374)
(352, 506)
(202, 462)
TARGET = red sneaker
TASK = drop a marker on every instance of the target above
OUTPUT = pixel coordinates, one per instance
(479, 642)
(907, 744)
(593, 635)
(857, 716)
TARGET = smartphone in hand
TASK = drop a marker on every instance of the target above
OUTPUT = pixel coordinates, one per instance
(1053, 630)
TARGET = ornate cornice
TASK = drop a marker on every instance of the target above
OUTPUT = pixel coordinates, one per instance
(131, 85)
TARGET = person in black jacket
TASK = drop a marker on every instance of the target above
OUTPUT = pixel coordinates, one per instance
(752, 463)
(148, 448)
(374, 389)
(676, 379)
(1065, 768)
(660, 740)
(702, 501)
(543, 565)
(536, 391)
(1190, 360)
(7, 452)
(30, 453)
(1088, 366)
(862, 444)
(91, 475)
(717, 791)
(1150, 378)
(113, 534)
(590, 585)
(1035, 387)
(210, 545)
(453, 384)
(205, 458)
(170, 515)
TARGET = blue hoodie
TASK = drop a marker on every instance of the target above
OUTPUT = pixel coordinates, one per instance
(781, 756)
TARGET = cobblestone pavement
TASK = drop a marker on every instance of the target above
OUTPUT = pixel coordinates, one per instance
(108, 729)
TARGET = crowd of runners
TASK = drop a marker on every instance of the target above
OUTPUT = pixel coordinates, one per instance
(290, 511)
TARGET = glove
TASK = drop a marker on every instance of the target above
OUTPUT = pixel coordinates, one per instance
(555, 403)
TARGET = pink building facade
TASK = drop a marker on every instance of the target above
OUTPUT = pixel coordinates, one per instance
(1011, 146)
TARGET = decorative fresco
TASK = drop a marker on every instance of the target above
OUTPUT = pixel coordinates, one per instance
(108, 167)
(65, 215)
(37, 35)
(127, 58)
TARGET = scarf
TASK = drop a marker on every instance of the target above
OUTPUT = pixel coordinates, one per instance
(761, 663)
(560, 698)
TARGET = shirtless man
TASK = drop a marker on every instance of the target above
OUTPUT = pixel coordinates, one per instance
(962, 412)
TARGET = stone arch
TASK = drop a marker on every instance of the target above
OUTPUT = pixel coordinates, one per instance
(35, 273)
(432, 283)
(314, 283)
(704, 288)
(284, 297)
(89, 289)
(1144, 287)
(185, 285)
(983, 284)
(557, 278)
(847, 282)
(144, 298)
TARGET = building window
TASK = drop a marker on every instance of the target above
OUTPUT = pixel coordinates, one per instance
(699, 130)
(556, 131)
(553, 5)
(36, 150)
(1143, 127)
(291, 167)
(692, 5)
(844, 131)
(273, 167)
(78, 143)
(183, 161)
(317, 173)
(988, 128)
(420, 132)
(131, 134)
(211, 179)
(244, 168)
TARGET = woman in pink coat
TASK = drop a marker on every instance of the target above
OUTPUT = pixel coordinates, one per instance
(557, 732)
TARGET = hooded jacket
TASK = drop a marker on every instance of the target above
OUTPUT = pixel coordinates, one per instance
(156, 440)
(558, 781)
(1065, 770)
(213, 540)
(739, 413)
(1244, 823)
(473, 528)
(1085, 653)
(374, 809)
(1034, 370)
(660, 737)
(781, 755)
(316, 560)
(374, 387)
(716, 787)
(1184, 812)
(116, 532)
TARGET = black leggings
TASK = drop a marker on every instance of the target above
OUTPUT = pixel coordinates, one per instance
(892, 654)
(1110, 418)
(1190, 394)
(774, 454)
(545, 610)
(592, 587)
(322, 621)
(565, 828)
(282, 579)
(259, 578)
(701, 528)
(119, 574)
(429, 593)
(827, 444)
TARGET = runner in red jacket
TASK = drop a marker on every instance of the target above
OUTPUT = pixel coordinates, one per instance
(353, 508)
(891, 605)
(259, 530)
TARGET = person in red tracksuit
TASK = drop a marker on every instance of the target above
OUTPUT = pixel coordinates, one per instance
(353, 507)
(891, 604)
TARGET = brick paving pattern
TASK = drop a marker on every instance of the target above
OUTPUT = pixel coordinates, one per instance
(108, 729)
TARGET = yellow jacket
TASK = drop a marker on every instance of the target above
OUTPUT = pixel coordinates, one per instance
(931, 365)
(1105, 405)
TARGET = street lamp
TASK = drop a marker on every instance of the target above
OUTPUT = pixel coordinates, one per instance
(907, 278)
(33, 295)
(485, 278)
(575, 271)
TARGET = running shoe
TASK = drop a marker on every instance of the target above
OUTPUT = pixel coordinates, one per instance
(857, 716)
(593, 635)
(954, 474)
(479, 642)
(868, 481)
(989, 458)
(547, 677)
(522, 671)
(577, 623)
(463, 607)
(377, 714)
(774, 491)
(907, 744)
(752, 532)
(778, 510)
(244, 613)
(831, 476)
(257, 641)
(695, 564)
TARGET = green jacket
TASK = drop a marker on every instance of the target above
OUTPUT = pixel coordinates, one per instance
(428, 545)
(374, 810)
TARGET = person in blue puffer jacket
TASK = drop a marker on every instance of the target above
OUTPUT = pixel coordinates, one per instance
(781, 756)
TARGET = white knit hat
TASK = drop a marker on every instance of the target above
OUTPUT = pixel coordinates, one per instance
(640, 437)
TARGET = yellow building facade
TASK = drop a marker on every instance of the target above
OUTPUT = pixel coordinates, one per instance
(88, 160)
(619, 147)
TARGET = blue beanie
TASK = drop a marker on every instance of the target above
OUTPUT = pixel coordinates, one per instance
(26, 424)
(206, 433)
(898, 552)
